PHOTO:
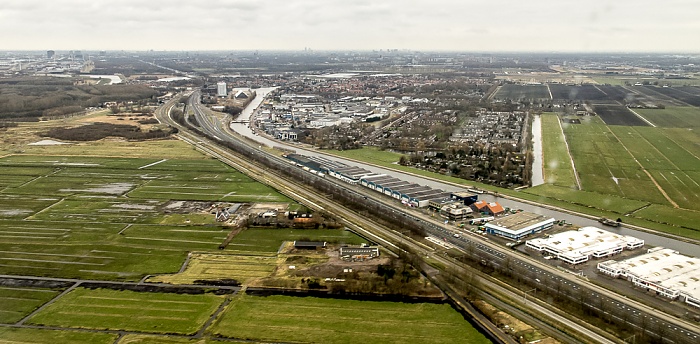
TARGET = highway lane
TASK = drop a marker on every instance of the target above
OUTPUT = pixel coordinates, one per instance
(246, 130)
(538, 268)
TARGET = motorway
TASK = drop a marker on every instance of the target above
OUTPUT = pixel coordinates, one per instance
(685, 331)
(243, 128)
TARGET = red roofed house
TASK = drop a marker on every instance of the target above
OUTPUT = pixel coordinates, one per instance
(492, 208)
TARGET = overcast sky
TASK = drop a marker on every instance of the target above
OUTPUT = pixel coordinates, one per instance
(459, 25)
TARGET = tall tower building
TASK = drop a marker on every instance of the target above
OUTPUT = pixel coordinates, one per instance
(50, 54)
(221, 89)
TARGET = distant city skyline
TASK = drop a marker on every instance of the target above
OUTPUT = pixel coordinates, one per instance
(442, 25)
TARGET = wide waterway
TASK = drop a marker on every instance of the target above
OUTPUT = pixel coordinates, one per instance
(537, 161)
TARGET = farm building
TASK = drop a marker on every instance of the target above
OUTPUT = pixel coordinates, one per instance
(576, 247)
(467, 198)
(661, 270)
(309, 245)
(519, 225)
(491, 208)
(359, 253)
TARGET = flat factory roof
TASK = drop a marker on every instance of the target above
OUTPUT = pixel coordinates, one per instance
(377, 178)
(393, 183)
(405, 187)
(660, 265)
(440, 196)
(519, 220)
(425, 195)
(584, 241)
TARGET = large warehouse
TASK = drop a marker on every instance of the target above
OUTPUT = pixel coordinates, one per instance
(519, 225)
(415, 195)
(662, 270)
(576, 247)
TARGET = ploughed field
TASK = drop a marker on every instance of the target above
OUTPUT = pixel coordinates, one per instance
(522, 92)
(618, 115)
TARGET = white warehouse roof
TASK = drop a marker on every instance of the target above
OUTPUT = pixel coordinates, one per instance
(663, 269)
(577, 246)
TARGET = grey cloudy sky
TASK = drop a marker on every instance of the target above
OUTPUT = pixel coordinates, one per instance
(464, 25)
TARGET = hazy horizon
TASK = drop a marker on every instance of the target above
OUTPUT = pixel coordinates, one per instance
(499, 26)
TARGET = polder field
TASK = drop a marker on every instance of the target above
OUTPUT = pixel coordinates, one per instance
(109, 218)
(103, 212)
(645, 171)
(320, 320)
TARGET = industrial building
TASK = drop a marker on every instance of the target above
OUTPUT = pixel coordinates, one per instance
(414, 195)
(350, 175)
(456, 211)
(661, 270)
(221, 89)
(437, 204)
(576, 247)
(467, 198)
(519, 225)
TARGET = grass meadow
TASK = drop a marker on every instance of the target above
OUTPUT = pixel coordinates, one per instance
(207, 266)
(100, 217)
(17, 303)
(130, 311)
(616, 165)
(146, 339)
(673, 116)
(13, 335)
(320, 320)
(557, 162)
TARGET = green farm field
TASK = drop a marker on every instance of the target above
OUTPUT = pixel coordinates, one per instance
(12, 335)
(603, 164)
(673, 116)
(206, 266)
(557, 161)
(146, 339)
(128, 310)
(162, 149)
(82, 250)
(97, 250)
(671, 166)
(616, 165)
(17, 303)
(316, 320)
(67, 216)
